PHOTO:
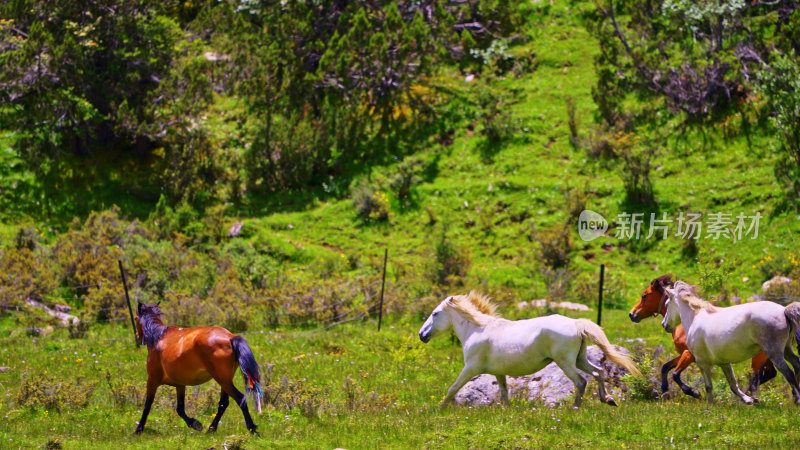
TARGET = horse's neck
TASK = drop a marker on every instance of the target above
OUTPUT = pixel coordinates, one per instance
(153, 329)
(687, 315)
(463, 327)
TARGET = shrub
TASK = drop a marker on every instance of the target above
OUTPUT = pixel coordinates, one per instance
(371, 204)
(26, 238)
(451, 263)
(558, 283)
(494, 116)
(781, 87)
(49, 392)
(644, 386)
(78, 330)
(635, 171)
(287, 395)
(555, 244)
(409, 174)
(358, 399)
(24, 274)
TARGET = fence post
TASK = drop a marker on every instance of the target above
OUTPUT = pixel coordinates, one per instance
(383, 283)
(600, 295)
(128, 299)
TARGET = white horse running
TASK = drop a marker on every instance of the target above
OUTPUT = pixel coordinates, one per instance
(503, 347)
(721, 336)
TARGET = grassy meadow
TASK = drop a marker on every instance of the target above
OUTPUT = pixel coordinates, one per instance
(349, 385)
(354, 387)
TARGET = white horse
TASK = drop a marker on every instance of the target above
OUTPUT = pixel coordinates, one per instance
(721, 336)
(503, 347)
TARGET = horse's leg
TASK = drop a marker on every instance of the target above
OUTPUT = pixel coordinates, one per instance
(686, 359)
(780, 364)
(705, 369)
(150, 395)
(501, 383)
(240, 400)
(223, 405)
(789, 355)
(727, 369)
(466, 374)
(665, 373)
(190, 421)
(755, 382)
(580, 383)
(599, 374)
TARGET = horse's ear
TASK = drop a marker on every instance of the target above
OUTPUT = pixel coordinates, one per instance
(159, 303)
(138, 306)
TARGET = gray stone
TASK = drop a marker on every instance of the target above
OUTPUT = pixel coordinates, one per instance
(549, 385)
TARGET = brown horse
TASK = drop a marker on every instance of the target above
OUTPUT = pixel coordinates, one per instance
(183, 357)
(652, 303)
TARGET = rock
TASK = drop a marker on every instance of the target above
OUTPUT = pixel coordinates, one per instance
(775, 281)
(523, 305)
(60, 307)
(755, 298)
(548, 385)
(4, 369)
(745, 279)
(62, 316)
(542, 303)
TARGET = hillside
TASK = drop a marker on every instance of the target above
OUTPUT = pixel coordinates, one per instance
(490, 202)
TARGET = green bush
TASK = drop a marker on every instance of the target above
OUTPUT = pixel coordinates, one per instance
(49, 392)
(450, 263)
(555, 245)
(371, 204)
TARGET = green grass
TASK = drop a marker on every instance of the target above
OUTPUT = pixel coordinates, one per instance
(407, 377)
(704, 169)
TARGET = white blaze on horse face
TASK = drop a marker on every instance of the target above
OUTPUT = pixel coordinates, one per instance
(438, 321)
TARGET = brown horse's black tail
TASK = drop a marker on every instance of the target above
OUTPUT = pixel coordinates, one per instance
(249, 366)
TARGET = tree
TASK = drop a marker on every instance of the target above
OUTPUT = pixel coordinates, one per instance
(698, 56)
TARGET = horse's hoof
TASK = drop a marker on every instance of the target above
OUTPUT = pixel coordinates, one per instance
(254, 432)
(197, 425)
(695, 394)
(211, 430)
(610, 401)
(138, 431)
(756, 401)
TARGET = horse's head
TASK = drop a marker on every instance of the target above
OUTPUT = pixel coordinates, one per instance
(653, 300)
(154, 310)
(146, 313)
(438, 321)
(672, 317)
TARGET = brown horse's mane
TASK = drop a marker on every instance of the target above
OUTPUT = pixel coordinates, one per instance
(475, 307)
(153, 328)
(662, 282)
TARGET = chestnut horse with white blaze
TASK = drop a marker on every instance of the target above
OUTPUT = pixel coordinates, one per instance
(503, 347)
(183, 357)
(652, 303)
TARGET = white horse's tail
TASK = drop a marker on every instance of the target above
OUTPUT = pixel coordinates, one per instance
(792, 313)
(594, 333)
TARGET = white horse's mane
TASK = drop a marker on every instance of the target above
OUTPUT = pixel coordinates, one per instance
(686, 291)
(475, 307)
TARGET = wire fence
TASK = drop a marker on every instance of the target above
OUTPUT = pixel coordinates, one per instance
(348, 303)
